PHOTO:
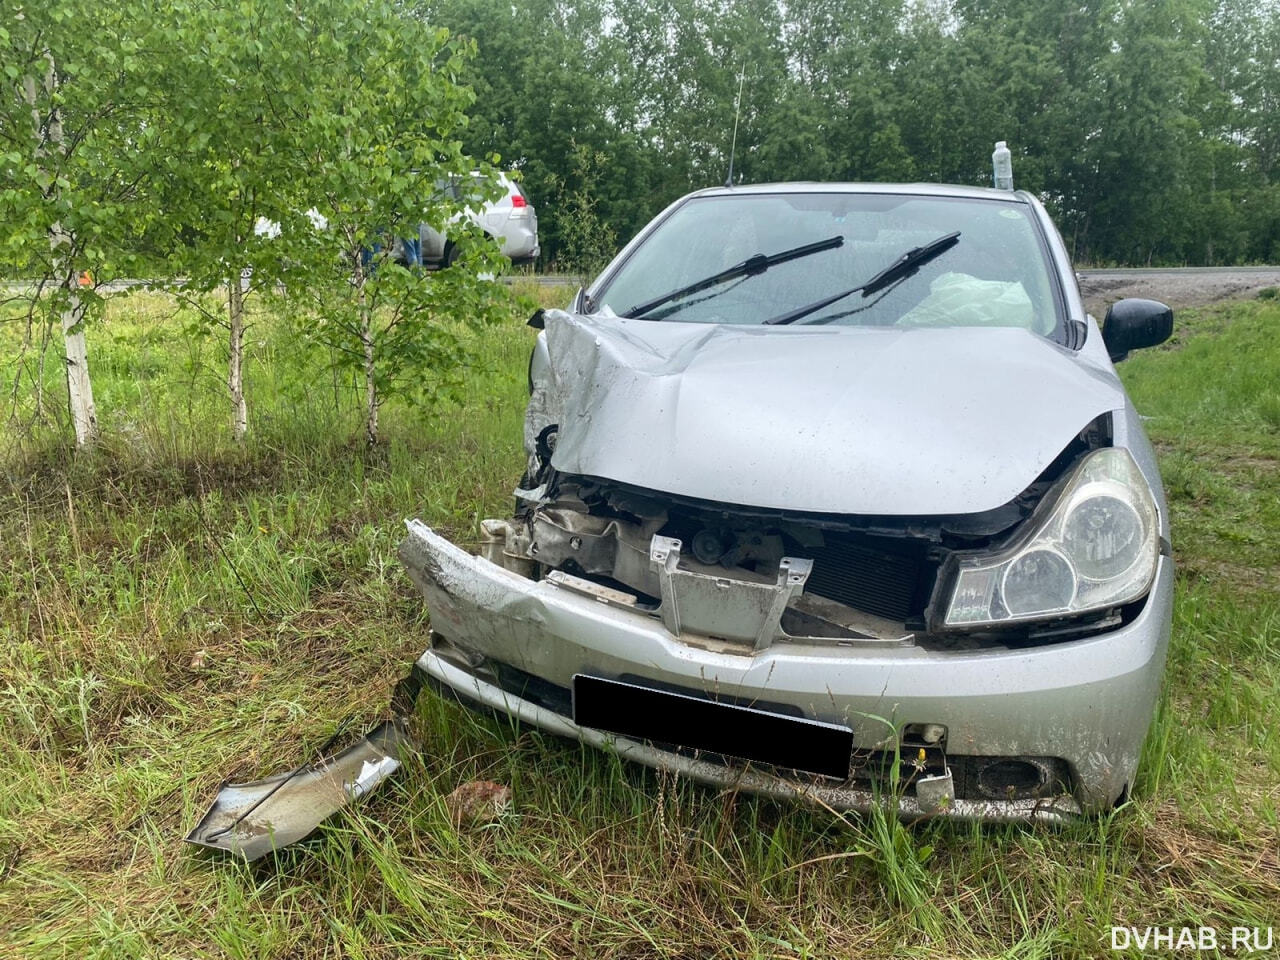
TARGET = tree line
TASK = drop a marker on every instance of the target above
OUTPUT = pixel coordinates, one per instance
(1150, 128)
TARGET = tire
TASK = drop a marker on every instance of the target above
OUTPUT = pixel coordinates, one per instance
(450, 255)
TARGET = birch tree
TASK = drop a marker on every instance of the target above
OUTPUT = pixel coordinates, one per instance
(74, 165)
(48, 162)
(375, 134)
(305, 138)
(236, 183)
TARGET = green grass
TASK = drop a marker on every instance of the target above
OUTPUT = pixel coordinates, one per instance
(175, 611)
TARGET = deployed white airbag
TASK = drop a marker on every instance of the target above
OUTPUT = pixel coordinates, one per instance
(959, 300)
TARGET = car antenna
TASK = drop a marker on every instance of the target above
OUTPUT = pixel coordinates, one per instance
(737, 112)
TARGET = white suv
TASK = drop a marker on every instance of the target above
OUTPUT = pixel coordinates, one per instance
(511, 220)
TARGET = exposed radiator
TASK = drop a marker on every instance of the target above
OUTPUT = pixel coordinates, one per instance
(886, 583)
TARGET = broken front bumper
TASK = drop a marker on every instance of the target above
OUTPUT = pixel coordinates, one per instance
(1085, 702)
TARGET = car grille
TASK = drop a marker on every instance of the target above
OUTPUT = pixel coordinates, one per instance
(887, 583)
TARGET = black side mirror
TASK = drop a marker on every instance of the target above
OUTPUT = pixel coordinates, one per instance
(1133, 324)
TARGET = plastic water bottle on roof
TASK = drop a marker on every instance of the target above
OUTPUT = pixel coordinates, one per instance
(1002, 166)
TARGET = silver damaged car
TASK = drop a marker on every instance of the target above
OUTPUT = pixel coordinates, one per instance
(832, 492)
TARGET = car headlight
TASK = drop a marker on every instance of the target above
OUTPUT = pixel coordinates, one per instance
(1094, 545)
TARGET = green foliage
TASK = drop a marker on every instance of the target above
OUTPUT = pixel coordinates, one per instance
(418, 354)
(99, 89)
(587, 243)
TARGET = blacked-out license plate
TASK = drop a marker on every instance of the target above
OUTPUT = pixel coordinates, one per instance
(643, 713)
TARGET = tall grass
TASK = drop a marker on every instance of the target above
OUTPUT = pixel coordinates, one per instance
(175, 611)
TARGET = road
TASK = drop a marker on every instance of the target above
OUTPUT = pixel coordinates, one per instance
(1176, 286)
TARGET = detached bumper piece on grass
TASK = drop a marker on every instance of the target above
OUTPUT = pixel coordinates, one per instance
(253, 819)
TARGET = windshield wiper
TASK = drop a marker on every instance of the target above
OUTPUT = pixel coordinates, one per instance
(749, 267)
(905, 266)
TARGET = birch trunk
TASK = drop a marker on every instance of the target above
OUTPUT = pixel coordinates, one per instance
(79, 387)
(370, 386)
(366, 342)
(235, 360)
(84, 417)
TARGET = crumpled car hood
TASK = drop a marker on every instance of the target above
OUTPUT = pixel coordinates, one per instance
(826, 419)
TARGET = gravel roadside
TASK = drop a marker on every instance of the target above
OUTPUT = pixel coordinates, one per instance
(1178, 287)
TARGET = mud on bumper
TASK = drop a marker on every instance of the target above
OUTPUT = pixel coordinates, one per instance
(1084, 704)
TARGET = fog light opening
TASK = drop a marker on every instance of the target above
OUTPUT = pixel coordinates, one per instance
(1012, 778)
(928, 733)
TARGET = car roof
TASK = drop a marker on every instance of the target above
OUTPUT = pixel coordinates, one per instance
(817, 186)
